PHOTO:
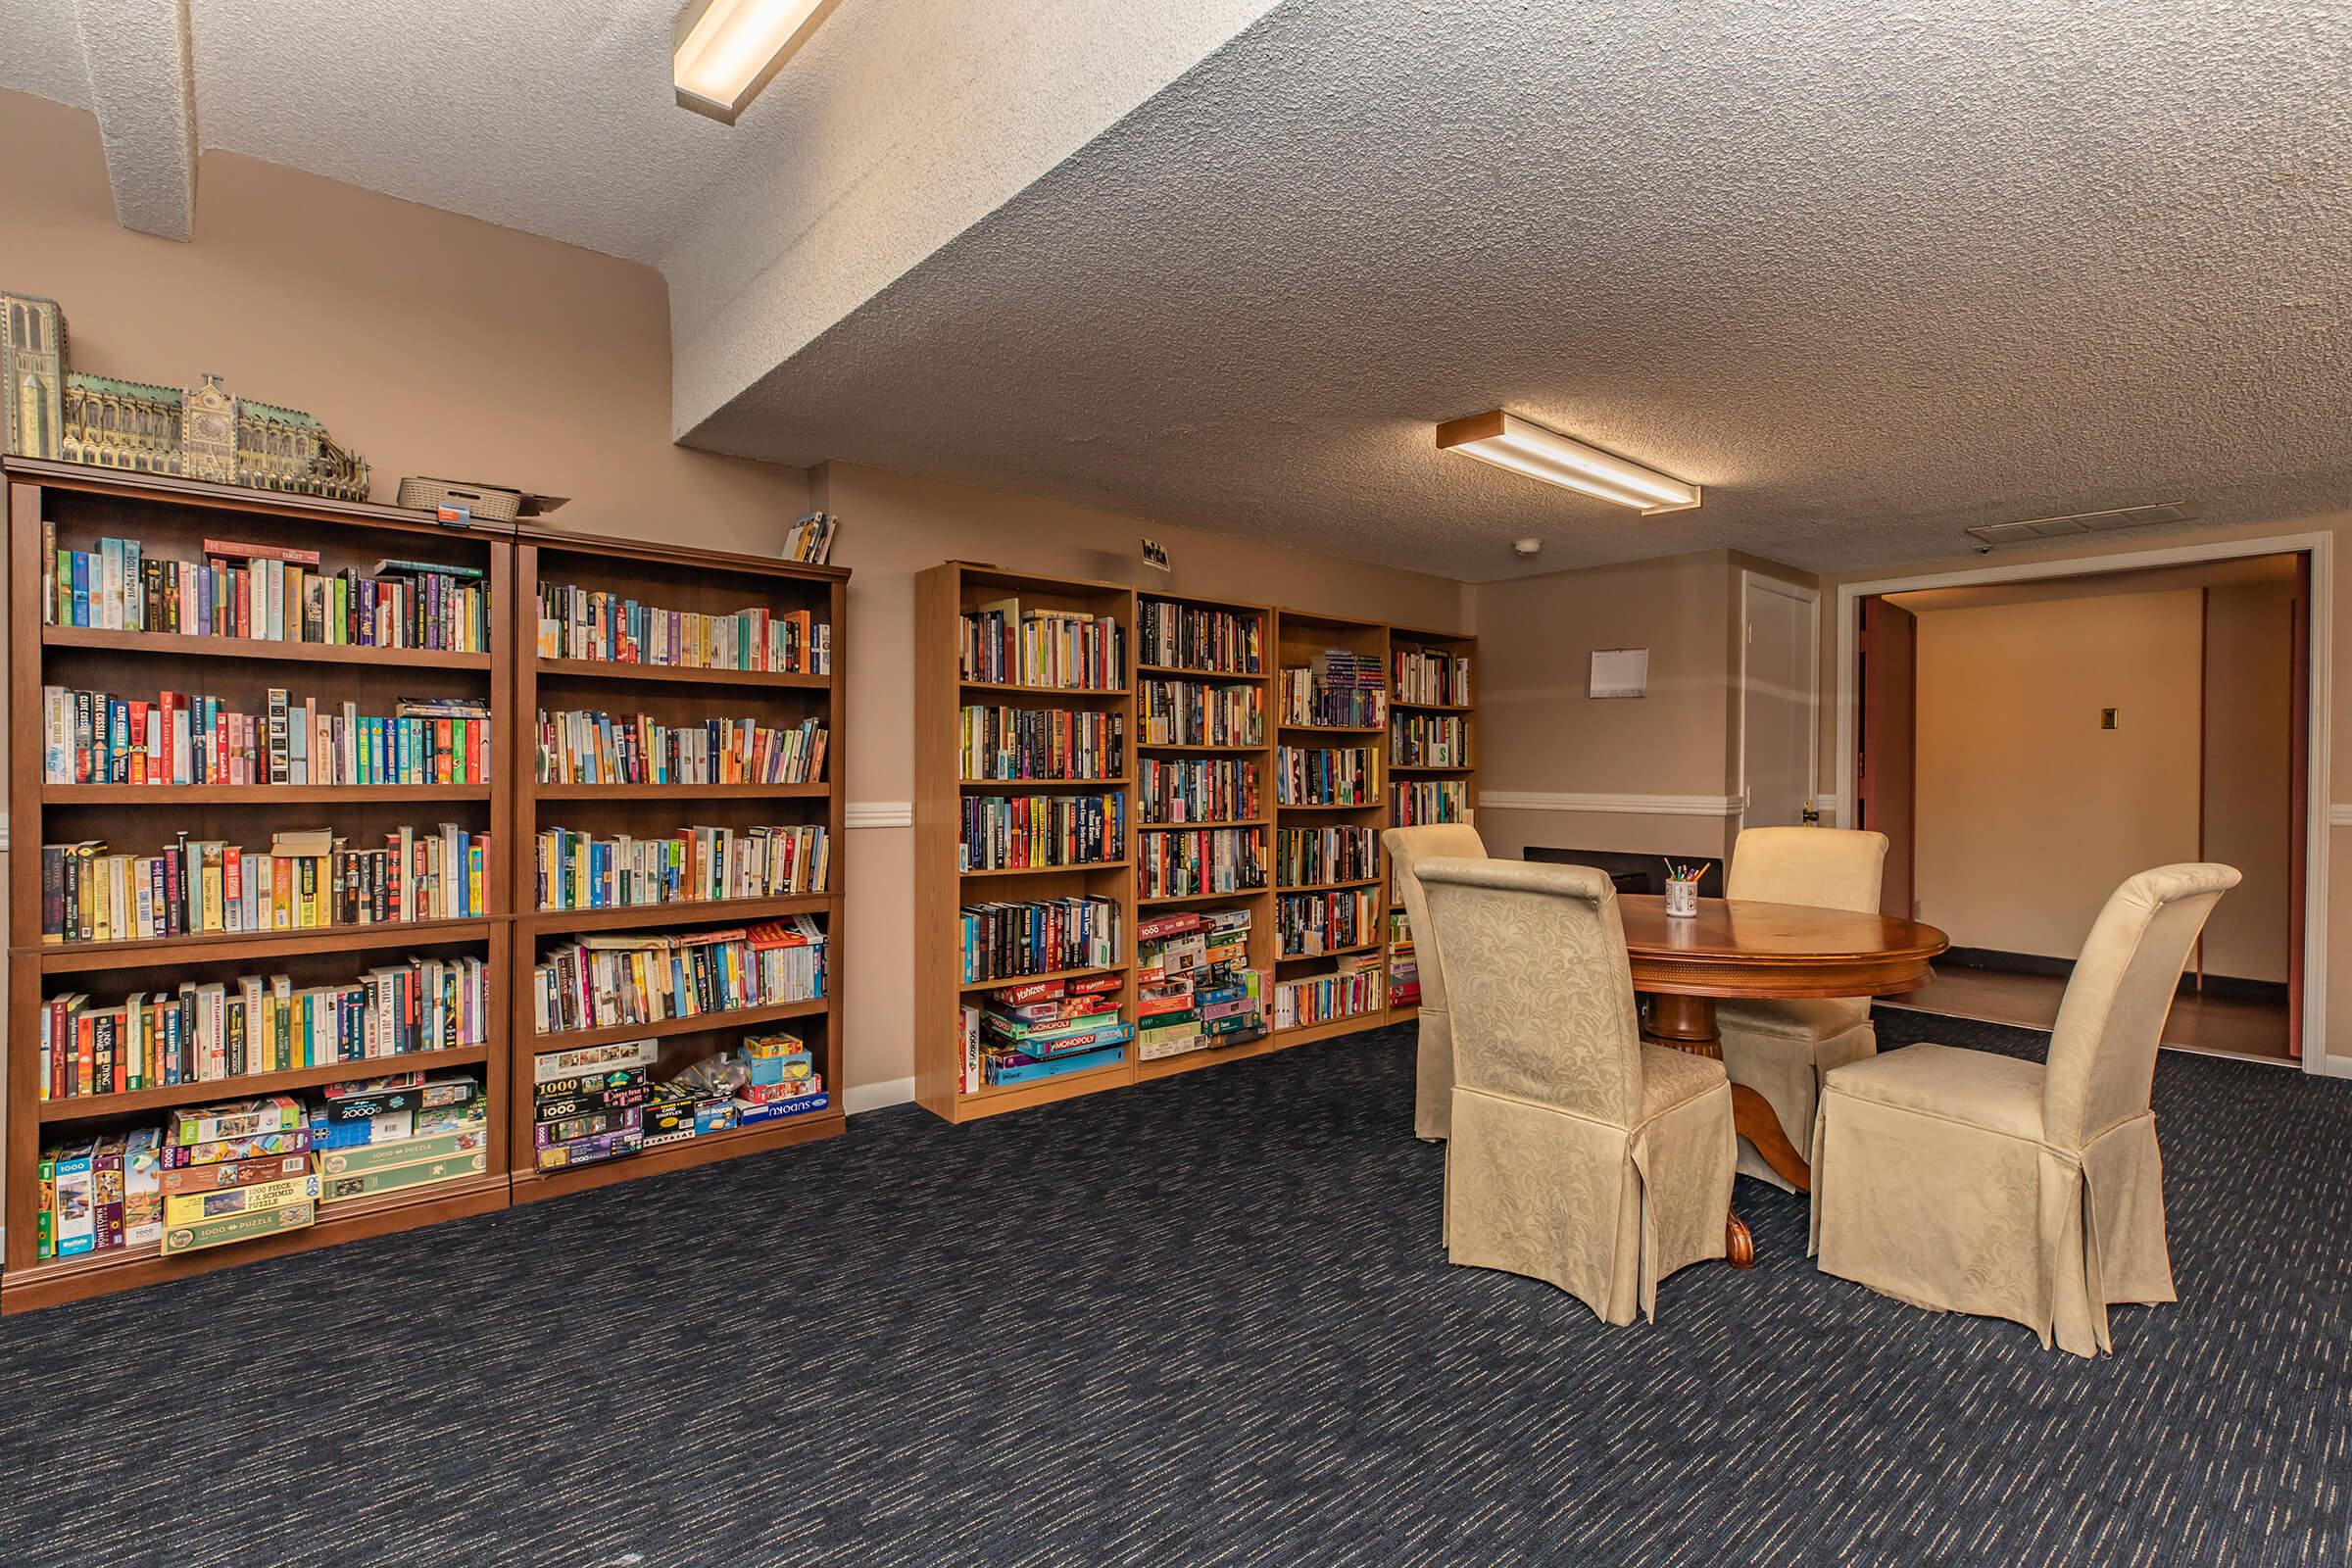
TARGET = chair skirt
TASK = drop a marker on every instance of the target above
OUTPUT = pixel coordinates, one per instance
(1786, 1067)
(1433, 1074)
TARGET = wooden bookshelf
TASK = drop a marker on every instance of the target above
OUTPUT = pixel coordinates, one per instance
(1452, 766)
(673, 577)
(1287, 638)
(170, 519)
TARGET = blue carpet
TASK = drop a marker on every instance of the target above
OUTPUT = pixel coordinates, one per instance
(1203, 1321)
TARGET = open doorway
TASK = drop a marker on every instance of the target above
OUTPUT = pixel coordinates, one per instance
(2027, 745)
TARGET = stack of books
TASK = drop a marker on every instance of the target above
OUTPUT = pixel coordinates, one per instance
(1314, 923)
(95, 737)
(1029, 832)
(1188, 637)
(389, 1134)
(1067, 649)
(588, 1103)
(577, 871)
(1195, 989)
(1025, 1033)
(581, 746)
(307, 878)
(227, 1174)
(271, 592)
(1198, 790)
(1313, 857)
(1005, 940)
(1431, 800)
(609, 629)
(604, 980)
(1323, 775)
(810, 540)
(1430, 679)
(1428, 740)
(1191, 712)
(1338, 690)
(1041, 742)
(1185, 863)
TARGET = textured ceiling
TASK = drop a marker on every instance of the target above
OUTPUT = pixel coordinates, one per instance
(1867, 272)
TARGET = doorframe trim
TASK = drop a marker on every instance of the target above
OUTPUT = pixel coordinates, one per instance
(2318, 1056)
(1803, 595)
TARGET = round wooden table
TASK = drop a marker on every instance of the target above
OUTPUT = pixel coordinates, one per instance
(1741, 947)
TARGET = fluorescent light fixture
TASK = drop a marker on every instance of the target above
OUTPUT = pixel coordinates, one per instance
(1525, 447)
(722, 52)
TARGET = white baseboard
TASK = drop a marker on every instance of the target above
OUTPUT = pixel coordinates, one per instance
(1614, 804)
(863, 1097)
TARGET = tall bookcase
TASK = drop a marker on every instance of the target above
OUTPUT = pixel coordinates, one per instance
(172, 518)
(1287, 638)
(674, 578)
(1435, 726)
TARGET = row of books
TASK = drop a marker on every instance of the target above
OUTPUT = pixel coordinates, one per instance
(605, 980)
(1428, 740)
(1033, 832)
(95, 737)
(1192, 713)
(1191, 637)
(1199, 789)
(1337, 688)
(306, 879)
(271, 592)
(1180, 862)
(1431, 800)
(1324, 775)
(1309, 924)
(1068, 649)
(1005, 940)
(578, 746)
(578, 871)
(1025, 1033)
(592, 623)
(600, 1102)
(1309, 857)
(214, 1175)
(1195, 989)
(809, 539)
(207, 1032)
(1352, 989)
(1425, 675)
(1041, 742)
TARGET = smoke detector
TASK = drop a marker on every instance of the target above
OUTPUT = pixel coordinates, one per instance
(1526, 546)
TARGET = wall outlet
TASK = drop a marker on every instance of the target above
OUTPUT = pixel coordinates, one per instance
(2106, 719)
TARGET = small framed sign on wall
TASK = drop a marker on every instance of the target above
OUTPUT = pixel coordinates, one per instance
(1620, 673)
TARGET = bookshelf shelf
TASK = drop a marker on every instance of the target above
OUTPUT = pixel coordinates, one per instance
(1326, 887)
(1107, 693)
(181, 645)
(681, 792)
(1080, 868)
(1178, 745)
(1331, 953)
(383, 936)
(674, 674)
(990, 785)
(1033, 979)
(138, 796)
(1337, 729)
(91, 1107)
(692, 1024)
(1181, 898)
(69, 508)
(676, 579)
(1214, 677)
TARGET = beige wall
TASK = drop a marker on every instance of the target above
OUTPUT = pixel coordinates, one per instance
(2337, 968)
(2249, 653)
(2028, 812)
(439, 345)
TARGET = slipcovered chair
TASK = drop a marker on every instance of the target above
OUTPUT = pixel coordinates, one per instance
(1408, 846)
(1579, 1154)
(1968, 1182)
(1782, 1048)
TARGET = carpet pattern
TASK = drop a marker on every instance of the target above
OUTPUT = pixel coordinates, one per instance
(1205, 1320)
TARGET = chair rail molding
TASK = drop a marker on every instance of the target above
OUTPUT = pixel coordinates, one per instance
(2339, 814)
(878, 814)
(1615, 804)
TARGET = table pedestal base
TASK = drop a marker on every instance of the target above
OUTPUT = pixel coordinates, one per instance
(1688, 1023)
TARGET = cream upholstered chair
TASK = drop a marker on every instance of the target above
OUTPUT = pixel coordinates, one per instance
(1782, 1049)
(1578, 1154)
(1970, 1181)
(1408, 846)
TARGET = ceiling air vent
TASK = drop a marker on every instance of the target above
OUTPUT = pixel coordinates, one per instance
(2031, 530)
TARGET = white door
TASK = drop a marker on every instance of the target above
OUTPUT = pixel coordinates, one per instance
(1776, 701)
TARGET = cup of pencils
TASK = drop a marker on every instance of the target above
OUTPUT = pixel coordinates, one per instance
(1682, 890)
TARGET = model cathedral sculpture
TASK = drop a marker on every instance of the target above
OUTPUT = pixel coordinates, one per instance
(201, 433)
